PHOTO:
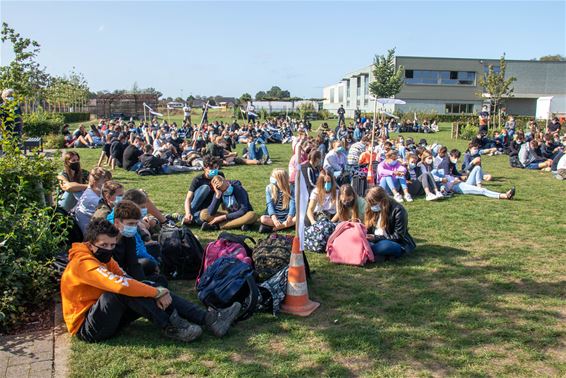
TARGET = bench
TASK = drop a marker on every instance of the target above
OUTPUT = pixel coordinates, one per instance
(31, 143)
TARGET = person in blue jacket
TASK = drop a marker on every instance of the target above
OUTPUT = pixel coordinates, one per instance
(236, 212)
(280, 201)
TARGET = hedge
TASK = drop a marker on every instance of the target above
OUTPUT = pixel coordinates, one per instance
(75, 117)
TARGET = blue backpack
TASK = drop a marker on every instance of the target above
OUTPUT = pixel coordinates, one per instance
(226, 281)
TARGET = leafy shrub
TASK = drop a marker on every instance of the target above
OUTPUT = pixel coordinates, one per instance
(468, 132)
(55, 141)
(75, 117)
(324, 114)
(42, 123)
(31, 234)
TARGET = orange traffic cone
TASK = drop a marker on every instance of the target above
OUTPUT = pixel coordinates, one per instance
(297, 300)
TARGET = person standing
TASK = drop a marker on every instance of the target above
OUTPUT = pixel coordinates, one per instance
(484, 120)
(250, 109)
(187, 114)
(341, 113)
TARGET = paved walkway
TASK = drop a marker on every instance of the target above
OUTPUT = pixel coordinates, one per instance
(36, 354)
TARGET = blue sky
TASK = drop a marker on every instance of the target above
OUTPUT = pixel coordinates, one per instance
(229, 48)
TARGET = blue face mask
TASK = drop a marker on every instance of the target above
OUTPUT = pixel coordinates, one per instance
(10, 98)
(327, 186)
(117, 200)
(213, 172)
(273, 180)
(229, 191)
(376, 208)
(129, 231)
(143, 212)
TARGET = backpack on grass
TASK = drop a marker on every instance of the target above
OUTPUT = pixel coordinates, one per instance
(226, 281)
(271, 255)
(220, 248)
(348, 245)
(182, 252)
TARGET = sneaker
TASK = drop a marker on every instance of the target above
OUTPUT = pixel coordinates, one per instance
(431, 197)
(219, 321)
(408, 198)
(209, 227)
(439, 195)
(511, 193)
(186, 334)
(263, 229)
(398, 198)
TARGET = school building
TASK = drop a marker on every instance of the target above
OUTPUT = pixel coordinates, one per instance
(450, 86)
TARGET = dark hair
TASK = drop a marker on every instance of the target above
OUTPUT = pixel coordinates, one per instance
(73, 176)
(110, 188)
(147, 148)
(210, 162)
(100, 226)
(137, 196)
(127, 210)
(456, 153)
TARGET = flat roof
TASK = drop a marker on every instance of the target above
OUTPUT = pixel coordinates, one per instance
(490, 59)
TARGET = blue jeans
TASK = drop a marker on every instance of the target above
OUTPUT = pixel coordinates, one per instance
(476, 176)
(257, 149)
(136, 167)
(387, 248)
(390, 183)
(465, 188)
(69, 200)
(201, 196)
(534, 164)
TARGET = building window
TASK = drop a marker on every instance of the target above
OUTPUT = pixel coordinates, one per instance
(341, 95)
(331, 95)
(430, 77)
(459, 108)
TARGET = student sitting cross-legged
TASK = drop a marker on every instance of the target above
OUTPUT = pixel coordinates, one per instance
(280, 199)
(237, 211)
(99, 298)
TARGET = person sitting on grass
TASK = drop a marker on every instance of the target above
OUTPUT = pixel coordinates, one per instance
(200, 192)
(132, 154)
(560, 172)
(82, 138)
(387, 226)
(87, 204)
(472, 158)
(111, 194)
(322, 200)
(73, 181)
(456, 185)
(311, 169)
(117, 147)
(237, 211)
(99, 299)
(391, 177)
(280, 199)
(335, 162)
(530, 156)
(349, 206)
(428, 182)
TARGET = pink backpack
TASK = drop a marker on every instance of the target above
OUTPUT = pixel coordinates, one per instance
(348, 245)
(223, 247)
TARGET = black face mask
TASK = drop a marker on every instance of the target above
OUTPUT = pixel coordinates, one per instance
(348, 204)
(103, 255)
(75, 166)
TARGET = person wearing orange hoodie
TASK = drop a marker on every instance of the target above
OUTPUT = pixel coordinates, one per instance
(99, 298)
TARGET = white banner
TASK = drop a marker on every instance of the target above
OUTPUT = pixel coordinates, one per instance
(301, 210)
(151, 111)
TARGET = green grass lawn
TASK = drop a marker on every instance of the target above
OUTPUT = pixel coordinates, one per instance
(483, 295)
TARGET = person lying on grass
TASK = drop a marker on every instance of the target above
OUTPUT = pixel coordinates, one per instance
(99, 299)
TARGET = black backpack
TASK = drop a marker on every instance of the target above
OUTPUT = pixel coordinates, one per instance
(271, 255)
(182, 252)
(514, 162)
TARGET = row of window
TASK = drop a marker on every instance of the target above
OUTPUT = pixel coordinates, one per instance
(431, 77)
(459, 108)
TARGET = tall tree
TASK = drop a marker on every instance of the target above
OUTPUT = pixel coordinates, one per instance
(497, 87)
(246, 97)
(23, 73)
(552, 58)
(260, 95)
(387, 80)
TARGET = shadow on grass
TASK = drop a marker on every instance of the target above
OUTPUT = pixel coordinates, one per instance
(457, 312)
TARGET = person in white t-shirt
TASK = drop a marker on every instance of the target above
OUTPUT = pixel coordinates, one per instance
(187, 114)
(89, 200)
(322, 201)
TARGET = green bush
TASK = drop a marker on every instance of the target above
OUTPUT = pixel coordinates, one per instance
(42, 123)
(55, 141)
(31, 234)
(324, 114)
(75, 117)
(468, 132)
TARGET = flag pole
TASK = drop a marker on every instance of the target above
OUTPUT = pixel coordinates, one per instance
(297, 189)
(202, 118)
(144, 119)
